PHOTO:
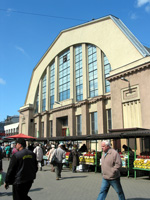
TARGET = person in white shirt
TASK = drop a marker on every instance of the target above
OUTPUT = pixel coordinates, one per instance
(39, 155)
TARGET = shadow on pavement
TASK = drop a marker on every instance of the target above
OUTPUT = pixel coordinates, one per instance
(5, 194)
(10, 193)
(36, 189)
(73, 177)
(139, 199)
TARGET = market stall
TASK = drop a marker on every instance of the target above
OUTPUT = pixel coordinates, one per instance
(87, 158)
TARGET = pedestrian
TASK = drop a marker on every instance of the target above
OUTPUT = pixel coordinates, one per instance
(39, 155)
(8, 151)
(50, 153)
(75, 158)
(60, 155)
(110, 166)
(14, 149)
(21, 171)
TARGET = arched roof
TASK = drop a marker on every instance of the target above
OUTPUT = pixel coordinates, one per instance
(107, 33)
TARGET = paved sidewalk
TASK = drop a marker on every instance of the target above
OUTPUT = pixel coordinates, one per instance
(78, 186)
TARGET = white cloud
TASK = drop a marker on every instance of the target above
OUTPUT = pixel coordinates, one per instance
(2, 82)
(142, 2)
(21, 50)
(145, 3)
(133, 16)
(9, 11)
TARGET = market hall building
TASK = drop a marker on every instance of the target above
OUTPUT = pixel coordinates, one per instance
(95, 77)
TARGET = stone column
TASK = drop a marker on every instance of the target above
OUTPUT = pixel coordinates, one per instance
(100, 74)
(101, 116)
(85, 120)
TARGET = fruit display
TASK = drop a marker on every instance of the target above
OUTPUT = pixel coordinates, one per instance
(87, 158)
(142, 163)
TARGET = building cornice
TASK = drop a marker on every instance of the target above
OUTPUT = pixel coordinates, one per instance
(129, 72)
(25, 108)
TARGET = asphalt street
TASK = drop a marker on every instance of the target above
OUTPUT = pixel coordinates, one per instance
(78, 186)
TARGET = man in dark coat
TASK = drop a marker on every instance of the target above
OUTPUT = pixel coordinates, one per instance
(21, 171)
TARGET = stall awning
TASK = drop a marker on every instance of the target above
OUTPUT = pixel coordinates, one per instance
(113, 135)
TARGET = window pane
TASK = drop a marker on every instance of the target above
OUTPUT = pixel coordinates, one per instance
(92, 66)
(52, 85)
(78, 73)
(64, 76)
(107, 69)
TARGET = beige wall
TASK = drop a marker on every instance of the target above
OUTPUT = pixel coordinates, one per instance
(139, 82)
(126, 61)
(108, 41)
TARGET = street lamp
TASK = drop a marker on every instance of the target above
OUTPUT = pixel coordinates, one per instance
(124, 79)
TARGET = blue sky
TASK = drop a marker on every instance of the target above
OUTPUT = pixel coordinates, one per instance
(28, 27)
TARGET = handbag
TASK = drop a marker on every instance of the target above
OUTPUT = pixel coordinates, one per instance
(54, 160)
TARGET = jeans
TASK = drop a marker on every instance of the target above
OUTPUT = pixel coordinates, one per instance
(106, 185)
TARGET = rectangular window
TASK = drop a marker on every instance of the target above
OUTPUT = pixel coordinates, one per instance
(78, 73)
(107, 69)
(52, 85)
(64, 76)
(109, 120)
(42, 129)
(51, 128)
(37, 102)
(35, 130)
(44, 93)
(79, 125)
(94, 125)
(92, 67)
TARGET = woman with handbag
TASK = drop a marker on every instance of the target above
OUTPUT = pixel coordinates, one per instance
(50, 153)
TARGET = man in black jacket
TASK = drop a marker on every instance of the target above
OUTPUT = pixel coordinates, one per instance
(21, 171)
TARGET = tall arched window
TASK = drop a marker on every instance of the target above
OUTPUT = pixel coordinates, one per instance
(107, 69)
(92, 67)
(64, 76)
(44, 93)
(78, 73)
(52, 85)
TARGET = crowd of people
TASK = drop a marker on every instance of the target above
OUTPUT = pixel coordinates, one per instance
(26, 161)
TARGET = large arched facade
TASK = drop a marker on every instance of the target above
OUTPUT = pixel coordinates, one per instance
(76, 87)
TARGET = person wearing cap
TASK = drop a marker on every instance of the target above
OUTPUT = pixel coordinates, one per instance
(21, 171)
(60, 155)
(50, 153)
